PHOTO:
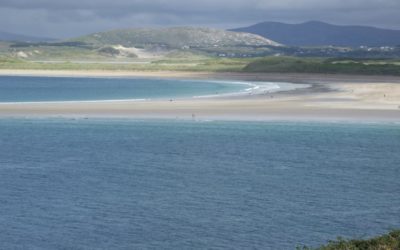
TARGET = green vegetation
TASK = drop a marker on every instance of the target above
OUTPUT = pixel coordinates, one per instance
(109, 51)
(171, 64)
(390, 241)
(323, 66)
(9, 60)
(48, 44)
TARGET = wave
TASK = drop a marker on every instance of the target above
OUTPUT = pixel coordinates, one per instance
(257, 88)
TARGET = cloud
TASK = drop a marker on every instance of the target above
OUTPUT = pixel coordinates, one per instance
(204, 5)
(61, 18)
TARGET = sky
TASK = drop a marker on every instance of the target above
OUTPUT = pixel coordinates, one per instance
(69, 18)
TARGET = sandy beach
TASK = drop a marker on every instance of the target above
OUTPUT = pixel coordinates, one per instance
(329, 98)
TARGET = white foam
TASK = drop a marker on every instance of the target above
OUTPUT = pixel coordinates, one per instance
(76, 101)
(257, 88)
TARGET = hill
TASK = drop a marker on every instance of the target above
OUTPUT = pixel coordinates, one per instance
(187, 42)
(5, 36)
(175, 38)
(323, 34)
(147, 44)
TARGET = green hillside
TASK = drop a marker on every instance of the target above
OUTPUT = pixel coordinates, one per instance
(175, 38)
(323, 66)
(147, 44)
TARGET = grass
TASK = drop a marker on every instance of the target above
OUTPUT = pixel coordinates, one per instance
(174, 64)
(390, 241)
(201, 63)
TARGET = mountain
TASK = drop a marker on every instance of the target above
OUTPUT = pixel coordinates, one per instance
(5, 36)
(175, 38)
(323, 34)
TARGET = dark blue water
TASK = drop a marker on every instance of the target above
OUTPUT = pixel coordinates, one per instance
(38, 89)
(93, 184)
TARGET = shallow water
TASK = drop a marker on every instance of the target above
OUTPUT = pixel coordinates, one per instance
(39, 89)
(123, 184)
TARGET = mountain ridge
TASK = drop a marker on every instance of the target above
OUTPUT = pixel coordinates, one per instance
(316, 33)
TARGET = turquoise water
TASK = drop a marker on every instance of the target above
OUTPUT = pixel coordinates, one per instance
(124, 184)
(39, 89)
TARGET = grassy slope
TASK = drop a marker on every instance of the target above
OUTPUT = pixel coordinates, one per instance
(390, 241)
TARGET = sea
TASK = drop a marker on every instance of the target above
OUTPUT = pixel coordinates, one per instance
(56, 89)
(108, 183)
(150, 184)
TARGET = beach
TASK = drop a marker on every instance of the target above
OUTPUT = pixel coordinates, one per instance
(329, 98)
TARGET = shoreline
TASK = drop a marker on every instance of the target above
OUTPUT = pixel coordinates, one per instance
(230, 119)
(244, 76)
(330, 98)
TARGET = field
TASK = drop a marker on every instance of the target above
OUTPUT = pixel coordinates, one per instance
(214, 64)
(202, 65)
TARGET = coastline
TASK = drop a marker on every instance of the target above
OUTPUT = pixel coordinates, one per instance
(330, 98)
(245, 76)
